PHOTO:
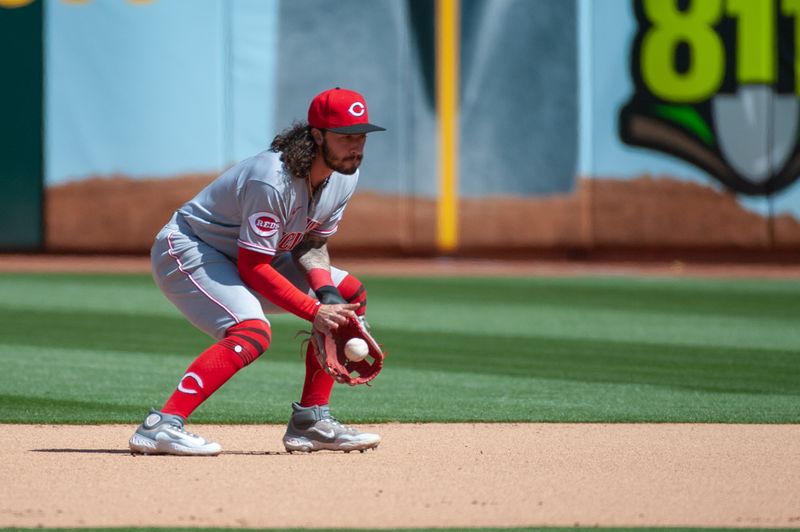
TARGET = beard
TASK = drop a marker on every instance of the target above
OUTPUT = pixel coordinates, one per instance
(343, 165)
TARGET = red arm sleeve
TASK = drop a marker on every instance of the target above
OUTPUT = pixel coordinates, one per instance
(319, 277)
(256, 271)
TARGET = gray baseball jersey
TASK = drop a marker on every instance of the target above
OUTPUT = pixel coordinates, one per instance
(258, 205)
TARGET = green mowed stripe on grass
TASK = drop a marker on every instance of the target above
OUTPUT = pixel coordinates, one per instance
(83, 348)
(593, 360)
(97, 387)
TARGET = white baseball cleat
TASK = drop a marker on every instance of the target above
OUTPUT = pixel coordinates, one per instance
(162, 433)
(314, 429)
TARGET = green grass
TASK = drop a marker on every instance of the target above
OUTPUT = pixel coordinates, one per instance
(103, 348)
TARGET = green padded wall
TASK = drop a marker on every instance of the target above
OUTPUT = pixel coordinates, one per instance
(21, 133)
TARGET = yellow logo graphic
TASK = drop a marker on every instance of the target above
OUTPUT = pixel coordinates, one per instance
(717, 84)
(15, 3)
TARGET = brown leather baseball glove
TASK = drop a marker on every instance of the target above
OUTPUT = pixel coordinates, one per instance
(329, 349)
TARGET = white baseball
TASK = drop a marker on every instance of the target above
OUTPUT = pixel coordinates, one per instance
(356, 349)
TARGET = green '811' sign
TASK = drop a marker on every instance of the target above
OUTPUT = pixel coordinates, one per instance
(717, 84)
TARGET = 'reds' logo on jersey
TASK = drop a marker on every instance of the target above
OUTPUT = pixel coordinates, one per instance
(264, 223)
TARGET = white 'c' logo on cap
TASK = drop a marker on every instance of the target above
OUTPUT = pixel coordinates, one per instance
(357, 109)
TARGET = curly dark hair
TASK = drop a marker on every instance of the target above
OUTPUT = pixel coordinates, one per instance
(297, 148)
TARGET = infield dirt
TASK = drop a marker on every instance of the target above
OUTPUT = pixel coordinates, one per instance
(422, 475)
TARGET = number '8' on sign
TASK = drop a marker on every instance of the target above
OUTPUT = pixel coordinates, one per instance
(693, 28)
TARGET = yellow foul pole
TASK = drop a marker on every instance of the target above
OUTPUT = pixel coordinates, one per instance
(448, 20)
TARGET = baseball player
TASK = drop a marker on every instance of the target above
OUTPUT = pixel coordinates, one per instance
(251, 243)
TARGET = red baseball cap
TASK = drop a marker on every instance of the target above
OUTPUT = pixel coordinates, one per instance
(341, 111)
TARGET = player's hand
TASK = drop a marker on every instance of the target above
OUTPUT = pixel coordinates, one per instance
(329, 317)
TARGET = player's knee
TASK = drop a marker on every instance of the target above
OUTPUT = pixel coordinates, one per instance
(354, 292)
(249, 339)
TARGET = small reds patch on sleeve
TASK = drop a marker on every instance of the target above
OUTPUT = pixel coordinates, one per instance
(264, 223)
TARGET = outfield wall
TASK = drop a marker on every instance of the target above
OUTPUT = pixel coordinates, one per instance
(582, 125)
